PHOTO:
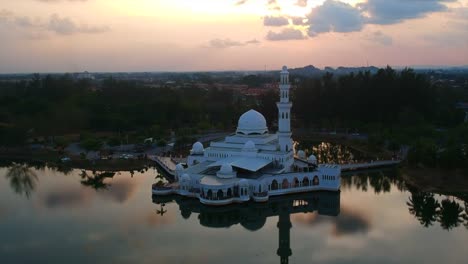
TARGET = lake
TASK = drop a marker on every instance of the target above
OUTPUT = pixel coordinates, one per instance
(47, 216)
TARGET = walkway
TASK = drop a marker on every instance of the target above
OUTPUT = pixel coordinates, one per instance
(166, 163)
(369, 165)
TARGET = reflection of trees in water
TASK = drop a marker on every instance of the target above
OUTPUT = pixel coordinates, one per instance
(428, 210)
(22, 179)
(465, 216)
(96, 181)
(450, 214)
(380, 181)
(61, 168)
(424, 207)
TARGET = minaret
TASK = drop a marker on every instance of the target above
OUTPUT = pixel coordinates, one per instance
(284, 113)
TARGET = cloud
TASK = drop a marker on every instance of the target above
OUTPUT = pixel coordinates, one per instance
(334, 16)
(228, 43)
(120, 190)
(273, 5)
(65, 26)
(302, 3)
(241, 2)
(253, 41)
(66, 198)
(386, 12)
(275, 21)
(55, 23)
(285, 34)
(348, 223)
(381, 38)
(56, 1)
(337, 16)
(299, 21)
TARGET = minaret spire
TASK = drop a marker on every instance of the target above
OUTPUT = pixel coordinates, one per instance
(284, 112)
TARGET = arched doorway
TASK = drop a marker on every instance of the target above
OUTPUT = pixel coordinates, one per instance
(305, 181)
(209, 194)
(220, 194)
(274, 185)
(295, 182)
(285, 184)
(315, 181)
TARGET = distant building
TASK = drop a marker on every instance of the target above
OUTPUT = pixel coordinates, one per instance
(84, 76)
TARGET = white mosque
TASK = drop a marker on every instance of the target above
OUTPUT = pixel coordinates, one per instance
(252, 163)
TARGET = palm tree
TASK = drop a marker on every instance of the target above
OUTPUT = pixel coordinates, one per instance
(424, 207)
(22, 179)
(450, 214)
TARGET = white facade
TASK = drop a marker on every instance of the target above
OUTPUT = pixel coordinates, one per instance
(252, 163)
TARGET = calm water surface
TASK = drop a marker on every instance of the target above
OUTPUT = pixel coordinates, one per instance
(48, 216)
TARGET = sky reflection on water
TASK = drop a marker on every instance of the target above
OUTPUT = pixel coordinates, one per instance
(375, 218)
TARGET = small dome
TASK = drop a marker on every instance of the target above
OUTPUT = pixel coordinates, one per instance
(301, 154)
(252, 123)
(179, 167)
(249, 145)
(185, 178)
(197, 148)
(312, 159)
(226, 169)
(226, 172)
(243, 183)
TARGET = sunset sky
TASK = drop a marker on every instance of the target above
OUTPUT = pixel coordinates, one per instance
(192, 35)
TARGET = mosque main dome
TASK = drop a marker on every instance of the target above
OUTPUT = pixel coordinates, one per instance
(252, 123)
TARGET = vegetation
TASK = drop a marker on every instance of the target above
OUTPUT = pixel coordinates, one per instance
(393, 108)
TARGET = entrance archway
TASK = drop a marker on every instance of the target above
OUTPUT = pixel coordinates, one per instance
(305, 181)
(285, 184)
(315, 181)
(274, 185)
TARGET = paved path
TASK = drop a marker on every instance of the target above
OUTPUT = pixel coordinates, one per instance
(165, 163)
(369, 165)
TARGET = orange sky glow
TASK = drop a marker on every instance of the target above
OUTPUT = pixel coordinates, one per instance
(188, 35)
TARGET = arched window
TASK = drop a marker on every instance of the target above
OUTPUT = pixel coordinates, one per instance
(220, 194)
(285, 184)
(295, 182)
(287, 115)
(287, 148)
(209, 194)
(274, 185)
(229, 193)
(305, 181)
(315, 181)
(282, 115)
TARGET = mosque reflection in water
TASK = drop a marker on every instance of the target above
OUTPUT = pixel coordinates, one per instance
(253, 216)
